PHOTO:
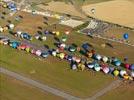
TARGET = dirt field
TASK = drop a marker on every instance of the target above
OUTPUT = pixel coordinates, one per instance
(61, 7)
(3, 21)
(118, 11)
(30, 23)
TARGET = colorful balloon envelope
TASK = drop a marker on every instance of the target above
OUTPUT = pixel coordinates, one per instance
(125, 36)
(105, 59)
(132, 74)
(117, 63)
(97, 67)
(90, 65)
(116, 72)
(132, 67)
(74, 66)
(122, 73)
(106, 70)
(127, 66)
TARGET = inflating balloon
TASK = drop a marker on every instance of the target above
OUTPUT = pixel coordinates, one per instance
(125, 36)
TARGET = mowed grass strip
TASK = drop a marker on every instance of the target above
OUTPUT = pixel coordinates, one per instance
(54, 72)
(12, 89)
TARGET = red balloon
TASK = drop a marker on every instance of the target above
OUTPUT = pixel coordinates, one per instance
(127, 66)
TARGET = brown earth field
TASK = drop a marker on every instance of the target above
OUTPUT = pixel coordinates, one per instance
(117, 11)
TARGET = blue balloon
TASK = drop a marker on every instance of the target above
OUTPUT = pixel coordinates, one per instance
(125, 36)
(117, 63)
(132, 67)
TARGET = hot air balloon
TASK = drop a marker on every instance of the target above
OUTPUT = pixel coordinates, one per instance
(132, 74)
(106, 70)
(125, 36)
(64, 39)
(44, 54)
(90, 65)
(116, 72)
(117, 63)
(78, 60)
(54, 53)
(122, 73)
(132, 67)
(81, 66)
(62, 55)
(74, 66)
(97, 67)
(105, 59)
(127, 66)
(97, 56)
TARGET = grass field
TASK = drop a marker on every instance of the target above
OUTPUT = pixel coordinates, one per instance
(60, 72)
(121, 93)
(54, 72)
(57, 73)
(12, 89)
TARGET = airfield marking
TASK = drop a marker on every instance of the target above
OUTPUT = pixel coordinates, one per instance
(38, 85)
(112, 86)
